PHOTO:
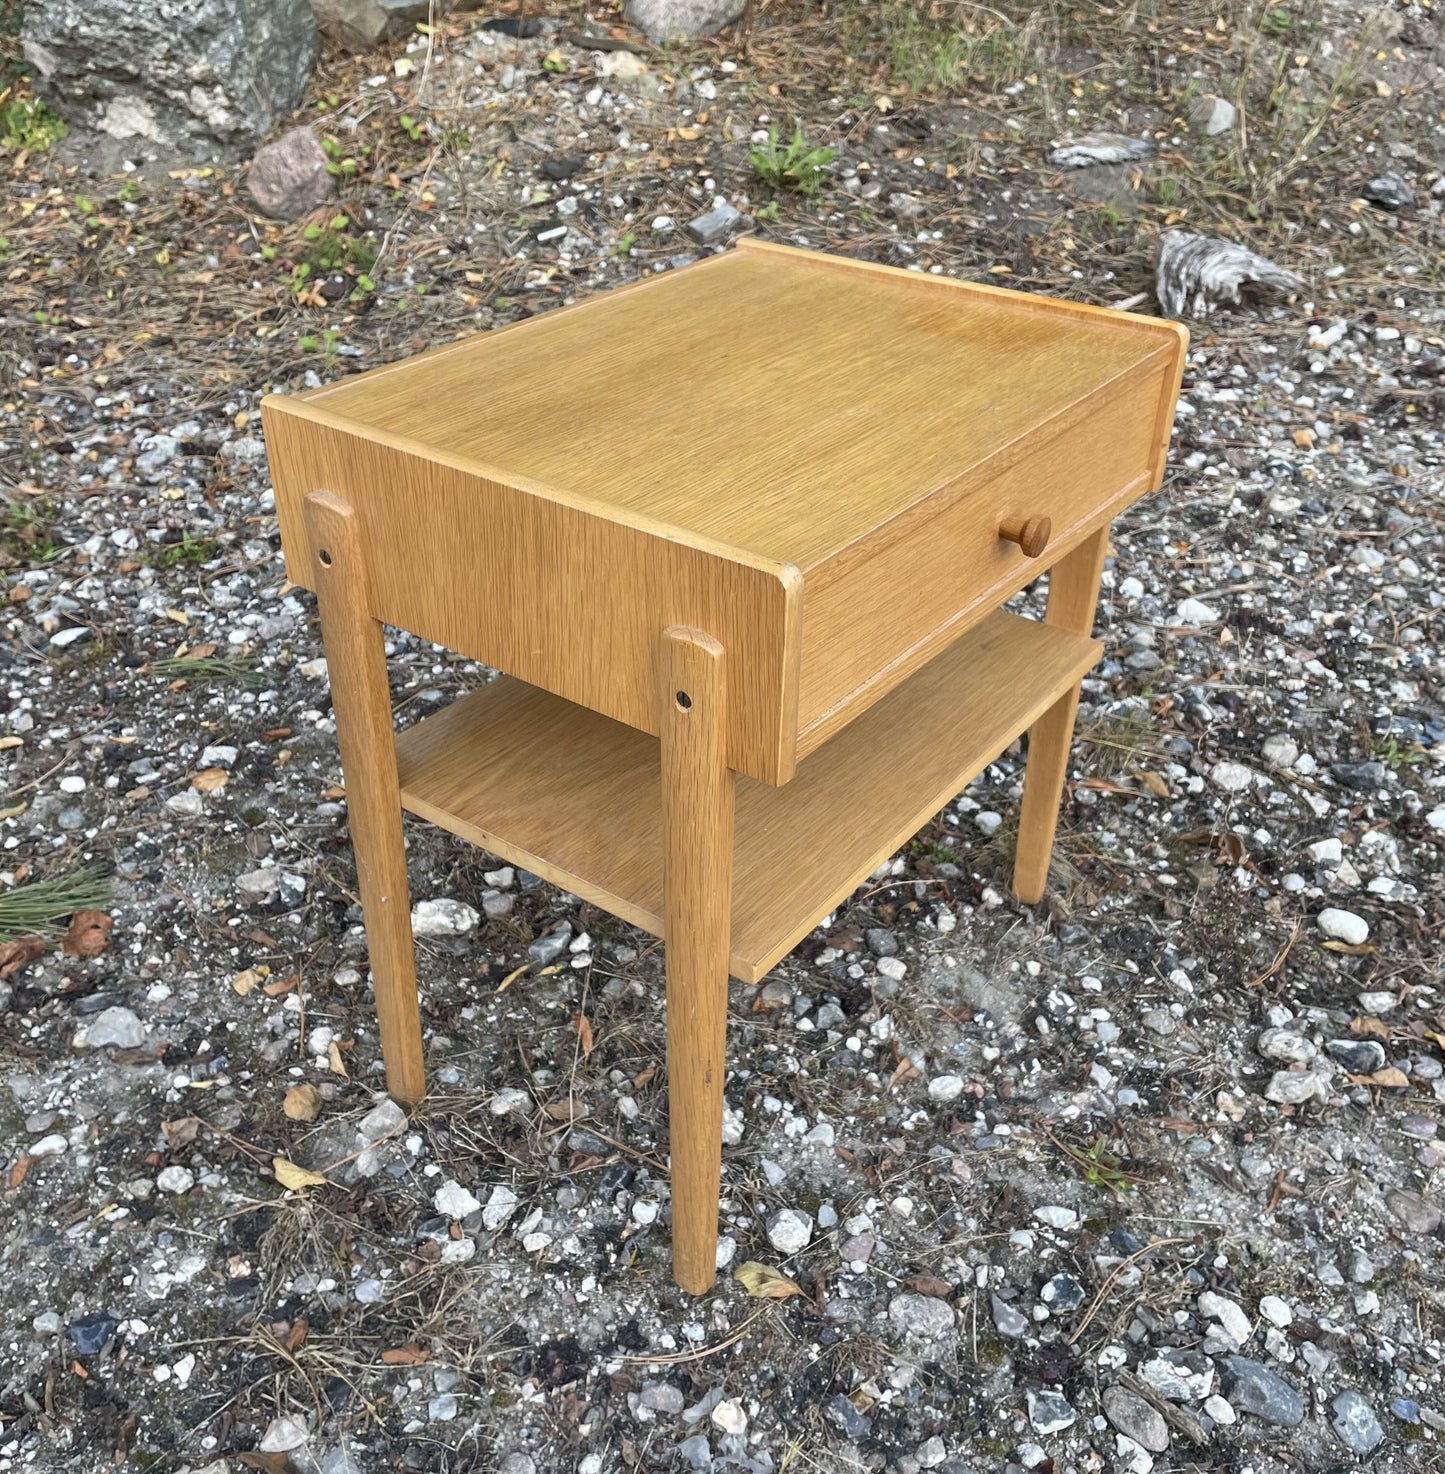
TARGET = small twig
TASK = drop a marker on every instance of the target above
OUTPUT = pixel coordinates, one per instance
(679, 1358)
(1278, 962)
(1108, 1284)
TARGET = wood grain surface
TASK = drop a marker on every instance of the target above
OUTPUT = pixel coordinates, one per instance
(696, 796)
(575, 797)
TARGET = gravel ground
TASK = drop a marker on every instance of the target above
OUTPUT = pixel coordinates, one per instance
(1147, 1176)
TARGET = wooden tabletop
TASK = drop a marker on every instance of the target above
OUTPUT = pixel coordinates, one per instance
(779, 402)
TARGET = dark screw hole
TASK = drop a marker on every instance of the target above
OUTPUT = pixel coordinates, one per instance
(325, 558)
(684, 700)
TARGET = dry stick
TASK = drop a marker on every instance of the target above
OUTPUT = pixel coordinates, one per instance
(1108, 1284)
(1278, 962)
(678, 1358)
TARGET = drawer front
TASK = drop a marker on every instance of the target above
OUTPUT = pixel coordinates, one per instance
(884, 606)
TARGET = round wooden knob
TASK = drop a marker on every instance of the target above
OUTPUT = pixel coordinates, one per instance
(1032, 534)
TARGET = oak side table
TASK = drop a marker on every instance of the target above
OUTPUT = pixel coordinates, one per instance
(738, 535)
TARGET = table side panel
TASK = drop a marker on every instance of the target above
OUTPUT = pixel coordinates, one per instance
(891, 601)
(576, 798)
(550, 592)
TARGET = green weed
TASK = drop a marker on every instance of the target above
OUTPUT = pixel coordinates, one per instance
(793, 165)
(27, 124)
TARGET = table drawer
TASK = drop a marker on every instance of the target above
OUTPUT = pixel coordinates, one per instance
(882, 607)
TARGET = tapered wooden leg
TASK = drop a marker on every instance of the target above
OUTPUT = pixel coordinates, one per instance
(1073, 593)
(356, 659)
(697, 822)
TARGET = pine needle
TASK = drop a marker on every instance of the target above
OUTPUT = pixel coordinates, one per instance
(42, 906)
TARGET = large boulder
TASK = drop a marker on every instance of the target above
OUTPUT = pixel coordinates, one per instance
(177, 74)
(360, 24)
(680, 20)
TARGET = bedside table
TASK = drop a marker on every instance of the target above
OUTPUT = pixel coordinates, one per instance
(739, 535)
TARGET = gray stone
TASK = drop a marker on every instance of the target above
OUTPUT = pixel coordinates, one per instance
(1287, 1046)
(1212, 115)
(1366, 776)
(175, 73)
(1354, 1420)
(1358, 1056)
(1063, 1293)
(1413, 1211)
(47, 1323)
(500, 1207)
(359, 25)
(923, 1316)
(1050, 1412)
(1252, 1388)
(258, 887)
(1008, 1319)
(679, 20)
(1389, 190)
(116, 1028)
(516, 1463)
(381, 1120)
(662, 1397)
(695, 1452)
(716, 225)
(881, 941)
(552, 946)
(288, 178)
(840, 1411)
(1137, 1419)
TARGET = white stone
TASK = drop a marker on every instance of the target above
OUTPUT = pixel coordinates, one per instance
(1344, 926)
(1221, 1411)
(1327, 852)
(283, 1435)
(1057, 1217)
(893, 967)
(730, 1417)
(1231, 1317)
(500, 1207)
(186, 803)
(1232, 777)
(789, 1231)
(452, 1199)
(944, 1088)
(443, 918)
(1196, 612)
(53, 1145)
(1287, 1046)
(175, 1179)
(1281, 751)
(1436, 819)
(72, 784)
(1275, 1311)
(506, 1102)
(1294, 1087)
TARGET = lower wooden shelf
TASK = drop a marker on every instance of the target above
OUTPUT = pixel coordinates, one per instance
(577, 798)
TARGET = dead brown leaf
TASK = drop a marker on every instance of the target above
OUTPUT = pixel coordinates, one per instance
(570, 1109)
(208, 780)
(88, 934)
(334, 1062)
(409, 1355)
(15, 954)
(181, 1132)
(302, 1103)
(583, 1025)
(269, 1463)
(19, 1171)
(931, 1285)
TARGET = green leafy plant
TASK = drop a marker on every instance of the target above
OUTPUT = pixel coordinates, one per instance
(339, 164)
(207, 668)
(410, 127)
(324, 342)
(793, 165)
(190, 550)
(331, 247)
(26, 123)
